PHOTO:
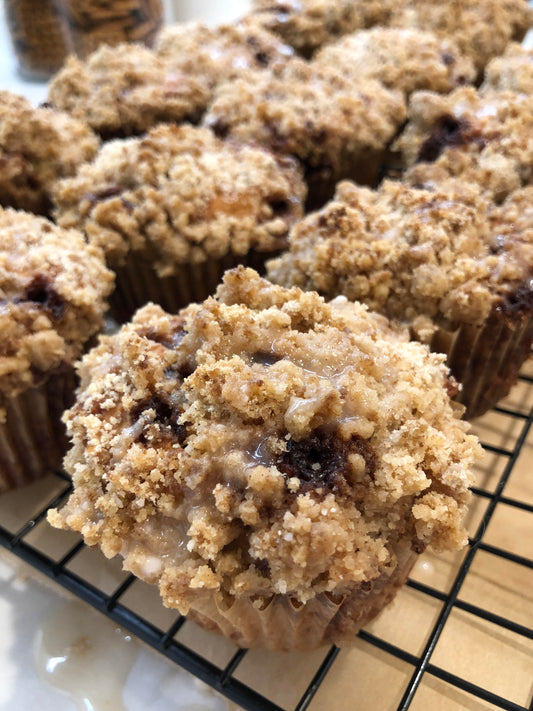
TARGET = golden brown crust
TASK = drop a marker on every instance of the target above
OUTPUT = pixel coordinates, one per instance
(264, 443)
(332, 123)
(308, 24)
(126, 89)
(445, 253)
(182, 196)
(481, 30)
(52, 298)
(482, 138)
(511, 72)
(402, 59)
(37, 147)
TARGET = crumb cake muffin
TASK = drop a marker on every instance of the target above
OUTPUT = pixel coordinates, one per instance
(511, 72)
(405, 60)
(37, 147)
(308, 24)
(449, 263)
(481, 29)
(126, 90)
(223, 52)
(482, 138)
(52, 300)
(273, 462)
(172, 210)
(338, 127)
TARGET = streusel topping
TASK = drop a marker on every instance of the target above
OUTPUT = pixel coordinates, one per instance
(184, 195)
(310, 111)
(264, 442)
(513, 71)
(445, 253)
(52, 298)
(481, 30)
(483, 138)
(37, 147)
(402, 59)
(124, 90)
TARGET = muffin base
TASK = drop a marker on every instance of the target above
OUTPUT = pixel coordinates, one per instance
(33, 439)
(137, 282)
(281, 624)
(486, 359)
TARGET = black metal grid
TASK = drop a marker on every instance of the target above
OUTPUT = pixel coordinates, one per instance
(223, 679)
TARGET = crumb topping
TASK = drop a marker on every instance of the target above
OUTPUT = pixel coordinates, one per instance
(183, 195)
(52, 292)
(402, 59)
(446, 253)
(483, 138)
(309, 111)
(264, 442)
(37, 147)
(511, 72)
(124, 90)
(481, 30)
(308, 24)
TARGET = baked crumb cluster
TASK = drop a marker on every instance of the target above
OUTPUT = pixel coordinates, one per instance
(264, 442)
(125, 90)
(52, 292)
(332, 123)
(37, 147)
(184, 196)
(402, 59)
(446, 253)
(513, 71)
(485, 138)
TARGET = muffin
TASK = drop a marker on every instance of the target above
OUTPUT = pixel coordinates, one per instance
(481, 30)
(172, 210)
(52, 289)
(309, 24)
(446, 261)
(513, 71)
(273, 462)
(482, 138)
(339, 127)
(125, 90)
(405, 60)
(37, 147)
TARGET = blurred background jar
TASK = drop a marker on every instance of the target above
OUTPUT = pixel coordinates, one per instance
(44, 32)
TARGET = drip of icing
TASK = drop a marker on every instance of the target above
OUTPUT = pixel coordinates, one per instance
(85, 656)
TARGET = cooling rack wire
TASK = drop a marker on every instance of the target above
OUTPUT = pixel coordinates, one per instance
(459, 634)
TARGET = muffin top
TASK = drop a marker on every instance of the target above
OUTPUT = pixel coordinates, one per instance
(52, 298)
(511, 72)
(264, 442)
(183, 194)
(481, 30)
(223, 52)
(308, 24)
(37, 147)
(446, 253)
(482, 138)
(402, 59)
(308, 110)
(124, 90)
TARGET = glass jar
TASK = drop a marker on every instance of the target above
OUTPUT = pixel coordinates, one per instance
(44, 32)
(39, 35)
(94, 22)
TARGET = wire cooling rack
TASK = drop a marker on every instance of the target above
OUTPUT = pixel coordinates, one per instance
(456, 610)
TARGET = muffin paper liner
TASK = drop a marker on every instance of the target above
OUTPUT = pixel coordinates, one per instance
(280, 624)
(137, 282)
(33, 439)
(486, 359)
